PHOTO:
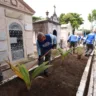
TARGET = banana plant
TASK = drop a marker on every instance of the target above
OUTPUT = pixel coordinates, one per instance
(22, 72)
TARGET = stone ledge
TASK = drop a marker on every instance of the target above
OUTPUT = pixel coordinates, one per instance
(82, 86)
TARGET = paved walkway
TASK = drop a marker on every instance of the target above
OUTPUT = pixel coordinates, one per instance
(92, 84)
(9, 73)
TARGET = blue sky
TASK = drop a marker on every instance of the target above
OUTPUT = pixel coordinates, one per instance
(83, 7)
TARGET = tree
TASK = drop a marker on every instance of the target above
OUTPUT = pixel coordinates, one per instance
(92, 15)
(35, 18)
(61, 18)
(73, 18)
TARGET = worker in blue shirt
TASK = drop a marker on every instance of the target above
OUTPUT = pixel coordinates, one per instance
(89, 43)
(79, 39)
(73, 39)
(44, 45)
(94, 30)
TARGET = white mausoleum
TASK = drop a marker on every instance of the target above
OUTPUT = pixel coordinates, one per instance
(16, 30)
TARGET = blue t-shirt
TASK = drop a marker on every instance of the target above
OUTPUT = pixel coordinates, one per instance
(90, 38)
(73, 38)
(79, 38)
(46, 44)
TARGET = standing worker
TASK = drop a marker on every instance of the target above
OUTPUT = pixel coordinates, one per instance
(89, 43)
(44, 45)
(73, 41)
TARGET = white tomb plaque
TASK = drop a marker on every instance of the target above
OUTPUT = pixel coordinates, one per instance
(28, 26)
(13, 40)
(3, 46)
(3, 56)
(3, 36)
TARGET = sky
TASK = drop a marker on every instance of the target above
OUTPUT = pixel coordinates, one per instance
(83, 7)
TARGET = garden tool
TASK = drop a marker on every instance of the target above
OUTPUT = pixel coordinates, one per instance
(45, 54)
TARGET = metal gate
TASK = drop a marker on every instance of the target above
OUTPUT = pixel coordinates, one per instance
(16, 42)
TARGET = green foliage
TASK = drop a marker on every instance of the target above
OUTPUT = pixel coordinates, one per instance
(64, 53)
(61, 19)
(25, 75)
(35, 18)
(74, 18)
(92, 15)
(54, 52)
(79, 50)
(22, 72)
(39, 69)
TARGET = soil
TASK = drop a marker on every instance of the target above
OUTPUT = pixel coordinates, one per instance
(63, 80)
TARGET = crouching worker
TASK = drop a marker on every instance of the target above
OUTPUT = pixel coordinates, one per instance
(73, 41)
(44, 45)
(89, 43)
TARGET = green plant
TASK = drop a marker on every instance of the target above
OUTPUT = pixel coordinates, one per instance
(64, 53)
(54, 52)
(22, 72)
(79, 51)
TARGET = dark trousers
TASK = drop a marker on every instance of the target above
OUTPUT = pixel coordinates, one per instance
(73, 44)
(89, 49)
(47, 57)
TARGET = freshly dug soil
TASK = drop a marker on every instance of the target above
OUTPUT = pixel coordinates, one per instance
(63, 80)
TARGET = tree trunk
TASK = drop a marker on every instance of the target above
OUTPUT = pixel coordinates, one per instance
(73, 31)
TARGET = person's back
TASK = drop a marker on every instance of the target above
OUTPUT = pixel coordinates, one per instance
(90, 38)
(73, 38)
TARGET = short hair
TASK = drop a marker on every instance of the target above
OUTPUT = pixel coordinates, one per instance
(39, 35)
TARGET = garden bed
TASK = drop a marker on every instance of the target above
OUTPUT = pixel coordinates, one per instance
(63, 80)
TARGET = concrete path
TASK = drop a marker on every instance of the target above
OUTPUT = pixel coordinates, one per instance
(92, 84)
(9, 73)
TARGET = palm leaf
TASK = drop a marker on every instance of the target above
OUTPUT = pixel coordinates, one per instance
(40, 69)
(64, 54)
(15, 69)
(25, 75)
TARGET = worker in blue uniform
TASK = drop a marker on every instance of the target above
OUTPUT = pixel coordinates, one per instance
(79, 39)
(89, 43)
(73, 39)
(44, 45)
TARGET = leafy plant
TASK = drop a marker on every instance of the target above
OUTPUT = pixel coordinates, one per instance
(79, 52)
(64, 53)
(55, 53)
(22, 72)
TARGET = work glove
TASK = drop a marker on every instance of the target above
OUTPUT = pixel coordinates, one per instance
(54, 46)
